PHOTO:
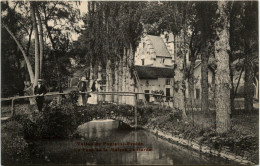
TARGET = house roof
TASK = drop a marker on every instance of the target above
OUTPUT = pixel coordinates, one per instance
(159, 46)
(154, 72)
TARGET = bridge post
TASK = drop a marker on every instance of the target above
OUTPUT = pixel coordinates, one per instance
(135, 111)
(12, 108)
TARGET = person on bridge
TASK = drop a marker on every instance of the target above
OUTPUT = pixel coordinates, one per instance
(82, 86)
(40, 90)
(94, 96)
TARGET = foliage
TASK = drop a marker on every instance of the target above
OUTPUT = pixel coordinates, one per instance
(73, 96)
(13, 145)
(57, 20)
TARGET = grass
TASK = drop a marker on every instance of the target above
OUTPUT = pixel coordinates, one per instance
(242, 139)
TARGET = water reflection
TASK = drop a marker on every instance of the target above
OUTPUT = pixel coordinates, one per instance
(103, 138)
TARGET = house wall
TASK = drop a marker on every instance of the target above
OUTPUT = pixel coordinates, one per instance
(155, 84)
(146, 51)
(163, 62)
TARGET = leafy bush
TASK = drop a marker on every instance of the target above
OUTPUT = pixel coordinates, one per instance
(73, 96)
(13, 146)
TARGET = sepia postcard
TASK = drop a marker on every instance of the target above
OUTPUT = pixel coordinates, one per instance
(129, 82)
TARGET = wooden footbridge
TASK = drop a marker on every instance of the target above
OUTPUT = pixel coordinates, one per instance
(134, 96)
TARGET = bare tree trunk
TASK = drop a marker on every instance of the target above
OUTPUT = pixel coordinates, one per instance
(36, 43)
(131, 79)
(120, 80)
(28, 63)
(127, 75)
(204, 78)
(40, 41)
(191, 81)
(249, 86)
(232, 90)
(179, 82)
(222, 47)
(116, 82)
(124, 76)
(99, 77)
(108, 80)
(91, 74)
(111, 86)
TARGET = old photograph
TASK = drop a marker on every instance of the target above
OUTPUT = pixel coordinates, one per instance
(129, 82)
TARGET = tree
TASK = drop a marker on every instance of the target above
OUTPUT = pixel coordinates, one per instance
(61, 13)
(7, 21)
(243, 44)
(250, 21)
(205, 14)
(112, 30)
(223, 123)
(36, 35)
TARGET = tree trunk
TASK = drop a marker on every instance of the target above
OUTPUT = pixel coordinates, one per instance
(124, 77)
(179, 82)
(251, 46)
(36, 35)
(232, 90)
(91, 74)
(116, 82)
(127, 74)
(191, 82)
(249, 86)
(120, 80)
(223, 86)
(28, 63)
(108, 81)
(204, 78)
(111, 80)
(40, 41)
(99, 77)
(131, 79)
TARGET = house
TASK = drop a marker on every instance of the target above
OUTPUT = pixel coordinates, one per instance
(155, 51)
(155, 80)
(154, 61)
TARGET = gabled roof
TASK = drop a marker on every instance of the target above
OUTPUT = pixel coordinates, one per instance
(154, 72)
(159, 46)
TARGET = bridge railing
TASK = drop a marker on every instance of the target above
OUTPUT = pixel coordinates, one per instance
(134, 94)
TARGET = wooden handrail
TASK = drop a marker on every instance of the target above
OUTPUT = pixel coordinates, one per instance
(100, 93)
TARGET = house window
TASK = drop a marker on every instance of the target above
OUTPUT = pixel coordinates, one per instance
(168, 92)
(142, 61)
(168, 81)
(147, 82)
(162, 60)
(143, 44)
(197, 93)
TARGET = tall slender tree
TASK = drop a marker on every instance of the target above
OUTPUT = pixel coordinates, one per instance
(222, 47)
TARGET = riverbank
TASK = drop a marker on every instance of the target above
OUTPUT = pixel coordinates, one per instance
(240, 144)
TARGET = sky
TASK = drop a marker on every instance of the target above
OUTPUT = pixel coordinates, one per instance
(83, 7)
